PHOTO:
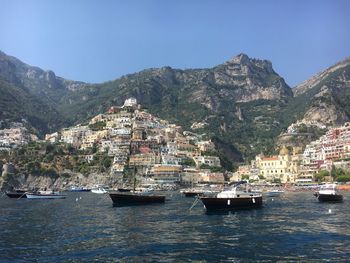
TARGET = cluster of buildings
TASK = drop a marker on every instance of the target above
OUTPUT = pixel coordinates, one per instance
(137, 140)
(332, 147)
(15, 136)
(299, 166)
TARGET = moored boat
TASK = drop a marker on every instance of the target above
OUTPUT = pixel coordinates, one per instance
(17, 194)
(45, 195)
(232, 199)
(99, 190)
(329, 193)
(79, 189)
(135, 198)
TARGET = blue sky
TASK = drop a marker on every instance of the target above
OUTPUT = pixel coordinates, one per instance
(96, 41)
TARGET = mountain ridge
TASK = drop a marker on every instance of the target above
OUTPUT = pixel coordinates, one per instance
(242, 101)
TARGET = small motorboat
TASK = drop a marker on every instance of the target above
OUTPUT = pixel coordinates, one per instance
(79, 189)
(232, 199)
(45, 195)
(99, 190)
(329, 193)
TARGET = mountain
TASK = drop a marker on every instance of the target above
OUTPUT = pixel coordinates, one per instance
(32, 94)
(321, 102)
(239, 101)
(329, 94)
(242, 104)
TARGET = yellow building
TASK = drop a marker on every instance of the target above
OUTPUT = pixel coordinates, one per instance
(283, 166)
(144, 159)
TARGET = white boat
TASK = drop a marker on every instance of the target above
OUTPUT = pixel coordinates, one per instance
(99, 190)
(232, 199)
(45, 195)
(329, 193)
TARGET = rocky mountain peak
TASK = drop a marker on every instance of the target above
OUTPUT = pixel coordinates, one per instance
(240, 59)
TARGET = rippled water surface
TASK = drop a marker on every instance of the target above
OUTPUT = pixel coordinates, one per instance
(293, 227)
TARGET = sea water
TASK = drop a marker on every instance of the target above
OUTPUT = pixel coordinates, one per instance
(86, 227)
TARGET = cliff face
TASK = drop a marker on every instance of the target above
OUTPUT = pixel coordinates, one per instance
(329, 94)
(323, 101)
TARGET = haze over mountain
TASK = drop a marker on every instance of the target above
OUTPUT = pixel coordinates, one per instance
(243, 104)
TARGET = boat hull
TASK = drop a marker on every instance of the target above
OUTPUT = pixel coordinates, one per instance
(329, 198)
(215, 203)
(45, 196)
(127, 199)
(80, 190)
(16, 194)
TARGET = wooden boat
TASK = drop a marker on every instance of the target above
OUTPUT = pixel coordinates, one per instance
(45, 195)
(17, 194)
(135, 198)
(232, 199)
(328, 193)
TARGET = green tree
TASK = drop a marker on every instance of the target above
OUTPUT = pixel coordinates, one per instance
(343, 178)
(321, 175)
(106, 162)
(245, 177)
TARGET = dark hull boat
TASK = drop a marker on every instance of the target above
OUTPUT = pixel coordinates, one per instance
(329, 197)
(128, 199)
(215, 203)
(16, 194)
(328, 193)
(232, 199)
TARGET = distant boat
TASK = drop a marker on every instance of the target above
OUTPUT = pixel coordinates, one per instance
(232, 199)
(135, 198)
(99, 190)
(79, 189)
(328, 193)
(17, 194)
(45, 195)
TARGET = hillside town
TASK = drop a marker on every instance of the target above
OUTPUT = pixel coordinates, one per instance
(156, 149)
(14, 136)
(163, 153)
(298, 166)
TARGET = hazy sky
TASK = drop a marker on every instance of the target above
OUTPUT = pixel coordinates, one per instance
(96, 41)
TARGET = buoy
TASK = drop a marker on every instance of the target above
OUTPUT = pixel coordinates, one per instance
(76, 199)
